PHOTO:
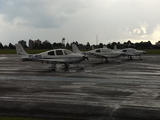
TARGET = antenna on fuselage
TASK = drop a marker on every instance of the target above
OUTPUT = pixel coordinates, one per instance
(96, 39)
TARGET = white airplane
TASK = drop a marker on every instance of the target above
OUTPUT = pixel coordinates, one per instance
(52, 56)
(130, 52)
(99, 53)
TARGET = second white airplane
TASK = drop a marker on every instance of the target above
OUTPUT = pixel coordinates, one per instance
(130, 52)
(103, 53)
(53, 56)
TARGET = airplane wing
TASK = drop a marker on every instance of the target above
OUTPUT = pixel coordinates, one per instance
(98, 55)
(109, 55)
(54, 60)
(128, 54)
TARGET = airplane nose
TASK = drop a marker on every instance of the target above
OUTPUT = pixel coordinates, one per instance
(118, 53)
(85, 57)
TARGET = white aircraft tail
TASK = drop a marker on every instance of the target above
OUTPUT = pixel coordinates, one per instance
(104, 46)
(75, 49)
(92, 47)
(115, 47)
(20, 50)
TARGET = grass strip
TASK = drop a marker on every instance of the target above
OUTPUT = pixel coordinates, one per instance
(13, 51)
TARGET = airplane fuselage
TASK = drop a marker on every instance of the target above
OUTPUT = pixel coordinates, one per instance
(59, 55)
(105, 52)
(132, 52)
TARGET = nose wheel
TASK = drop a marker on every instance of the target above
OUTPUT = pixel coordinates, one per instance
(66, 66)
(140, 57)
(130, 57)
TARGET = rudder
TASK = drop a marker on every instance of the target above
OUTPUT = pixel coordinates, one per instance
(20, 50)
(75, 49)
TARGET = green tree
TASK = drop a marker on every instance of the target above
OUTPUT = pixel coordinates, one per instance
(100, 45)
(11, 46)
(54, 45)
(68, 46)
(1, 46)
(88, 46)
(47, 45)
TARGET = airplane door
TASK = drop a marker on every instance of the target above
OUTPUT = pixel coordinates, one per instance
(59, 53)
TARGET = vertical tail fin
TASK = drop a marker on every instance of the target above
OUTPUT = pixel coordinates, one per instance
(20, 50)
(75, 49)
(115, 47)
(104, 46)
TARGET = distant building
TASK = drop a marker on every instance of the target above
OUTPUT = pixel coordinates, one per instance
(38, 42)
(31, 44)
(23, 43)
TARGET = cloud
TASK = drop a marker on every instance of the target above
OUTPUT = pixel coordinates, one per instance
(119, 15)
(80, 20)
(39, 13)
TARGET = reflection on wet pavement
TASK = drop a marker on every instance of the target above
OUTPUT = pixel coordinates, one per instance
(114, 91)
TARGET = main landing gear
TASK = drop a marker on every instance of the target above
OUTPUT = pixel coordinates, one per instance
(130, 57)
(53, 67)
(106, 60)
(66, 65)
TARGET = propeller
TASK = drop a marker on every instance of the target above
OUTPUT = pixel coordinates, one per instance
(85, 57)
(144, 52)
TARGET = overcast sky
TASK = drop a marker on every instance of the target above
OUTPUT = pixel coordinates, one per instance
(80, 20)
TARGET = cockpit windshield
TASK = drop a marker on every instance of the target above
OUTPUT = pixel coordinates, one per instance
(124, 50)
(67, 52)
(98, 50)
(51, 53)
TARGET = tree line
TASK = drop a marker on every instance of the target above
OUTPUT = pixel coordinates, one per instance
(47, 45)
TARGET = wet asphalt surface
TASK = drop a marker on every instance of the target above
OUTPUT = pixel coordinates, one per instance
(129, 90)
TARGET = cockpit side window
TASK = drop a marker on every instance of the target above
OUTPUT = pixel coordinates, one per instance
(124, 50)
(133, 49)
(98, 50)
(59, 52)
(51, 53)
(67, 52)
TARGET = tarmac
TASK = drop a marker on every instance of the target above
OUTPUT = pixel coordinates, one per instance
(128, 90)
